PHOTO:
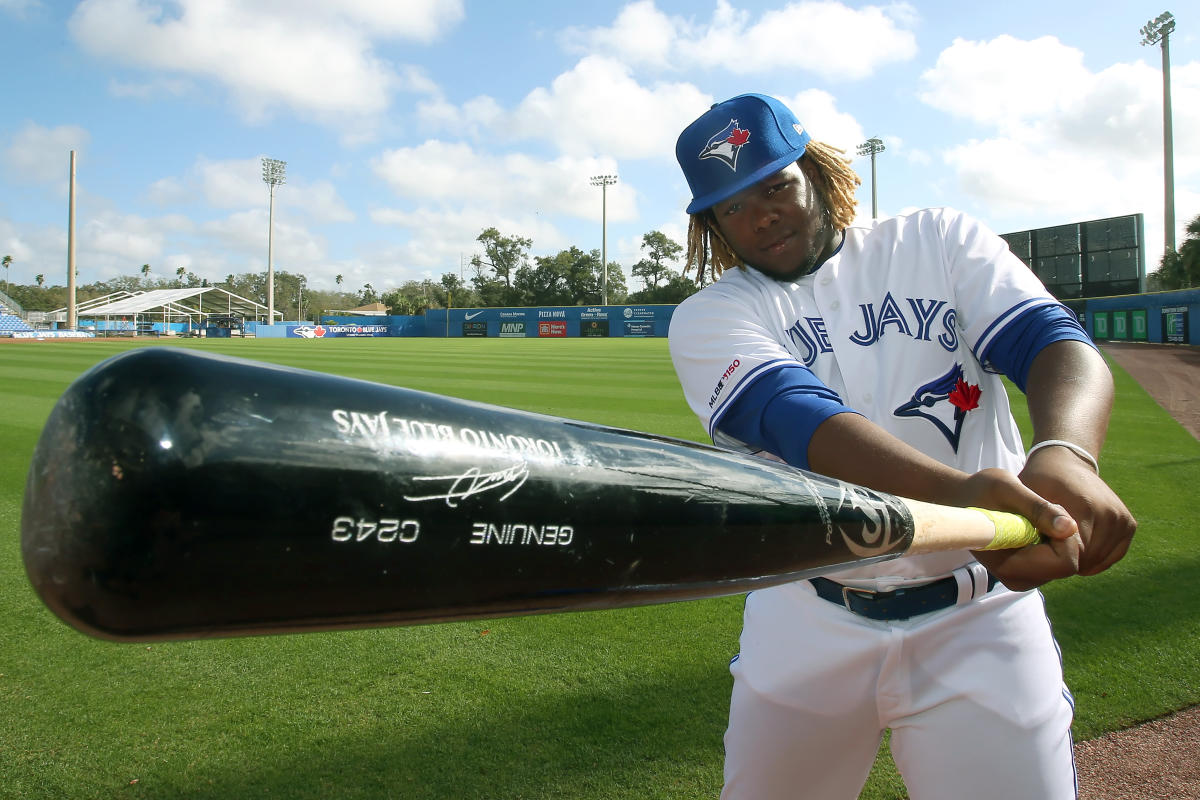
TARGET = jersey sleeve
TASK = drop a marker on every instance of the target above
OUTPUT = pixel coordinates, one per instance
(1013, 349)
(720, 349)
(994, 290)
(779, 412)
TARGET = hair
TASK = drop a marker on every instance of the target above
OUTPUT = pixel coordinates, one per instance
(835, 181)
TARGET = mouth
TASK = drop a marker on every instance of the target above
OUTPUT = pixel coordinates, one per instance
(778, 245)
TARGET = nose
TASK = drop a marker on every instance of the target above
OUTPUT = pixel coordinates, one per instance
(764, 214)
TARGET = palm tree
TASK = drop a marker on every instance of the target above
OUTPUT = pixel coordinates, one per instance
(145, 271)
(7, 262)
(338, 280)
(40, 278)
(179, 274)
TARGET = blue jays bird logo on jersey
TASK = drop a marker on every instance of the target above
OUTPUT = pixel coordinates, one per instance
(944, 402)
(726, 144)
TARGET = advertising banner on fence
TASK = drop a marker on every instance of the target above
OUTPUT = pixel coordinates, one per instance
(53, 335)
(593, 327)
(1175, 324)
(332, 331)
(564, 321)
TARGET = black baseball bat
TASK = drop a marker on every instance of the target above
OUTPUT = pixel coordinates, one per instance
(178, 495)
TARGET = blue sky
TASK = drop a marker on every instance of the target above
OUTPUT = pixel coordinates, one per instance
(410, 126)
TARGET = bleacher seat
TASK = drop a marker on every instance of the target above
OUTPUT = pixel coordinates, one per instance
(10, 323)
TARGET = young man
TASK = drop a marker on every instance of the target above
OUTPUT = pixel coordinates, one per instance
(873, 355)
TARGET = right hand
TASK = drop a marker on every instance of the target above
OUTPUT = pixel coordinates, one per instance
(1057, 556)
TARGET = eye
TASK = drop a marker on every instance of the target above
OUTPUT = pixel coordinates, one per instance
(731, 209)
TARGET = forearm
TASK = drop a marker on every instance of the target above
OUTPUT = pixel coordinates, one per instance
(1069, 393)
(850, 447)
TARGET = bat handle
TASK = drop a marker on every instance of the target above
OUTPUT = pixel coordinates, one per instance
(940, 528)
(1012, 530)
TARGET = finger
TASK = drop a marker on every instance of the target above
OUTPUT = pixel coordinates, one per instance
(1112, 548)
(1053, 520)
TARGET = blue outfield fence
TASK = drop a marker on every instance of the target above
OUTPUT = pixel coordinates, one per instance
(1150, 317)
(1153, 317)
(550, 322)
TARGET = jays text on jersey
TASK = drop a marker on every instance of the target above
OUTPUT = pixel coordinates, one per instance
(894, 322)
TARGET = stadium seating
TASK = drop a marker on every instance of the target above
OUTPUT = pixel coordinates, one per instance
(11, 323)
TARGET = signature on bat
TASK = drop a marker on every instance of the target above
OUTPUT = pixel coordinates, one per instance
(473, 482)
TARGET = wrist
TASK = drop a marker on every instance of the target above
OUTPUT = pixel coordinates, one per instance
(1079, 451)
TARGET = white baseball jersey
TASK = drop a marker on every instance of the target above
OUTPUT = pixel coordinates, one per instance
(893, 323)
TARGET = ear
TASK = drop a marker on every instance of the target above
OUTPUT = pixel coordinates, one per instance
(809, 167)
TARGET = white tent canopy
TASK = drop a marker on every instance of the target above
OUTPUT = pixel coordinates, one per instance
(194, 306)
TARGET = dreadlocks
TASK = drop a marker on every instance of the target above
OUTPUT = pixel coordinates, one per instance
(710, 255)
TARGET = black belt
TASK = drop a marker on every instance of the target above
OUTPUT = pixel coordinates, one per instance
(899, 604)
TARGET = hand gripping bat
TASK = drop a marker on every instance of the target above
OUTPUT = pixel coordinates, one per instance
(176, 495)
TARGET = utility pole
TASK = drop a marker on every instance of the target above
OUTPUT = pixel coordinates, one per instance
(1156, 31)
(274, 173)
(872, 147)
(72, 310)
(604, 181)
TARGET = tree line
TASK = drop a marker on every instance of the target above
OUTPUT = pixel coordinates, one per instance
(502, 274)
(1179, 269)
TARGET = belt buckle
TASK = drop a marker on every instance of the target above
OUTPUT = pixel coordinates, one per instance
(846, 590)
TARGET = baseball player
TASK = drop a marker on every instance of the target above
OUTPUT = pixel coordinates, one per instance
(873, 354)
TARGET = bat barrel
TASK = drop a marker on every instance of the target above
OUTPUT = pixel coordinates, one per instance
(180, 495)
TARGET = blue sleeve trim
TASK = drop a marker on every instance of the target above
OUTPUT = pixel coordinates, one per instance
(1014, 348)
(1004, 320)
(780, 412)
(749, 380)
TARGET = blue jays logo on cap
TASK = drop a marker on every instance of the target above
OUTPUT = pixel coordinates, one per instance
(735, 144)
(727, 144)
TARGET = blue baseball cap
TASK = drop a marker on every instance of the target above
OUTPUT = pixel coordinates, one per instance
(736, 144)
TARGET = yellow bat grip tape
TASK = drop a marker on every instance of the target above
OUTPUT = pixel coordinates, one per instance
(1012, 530)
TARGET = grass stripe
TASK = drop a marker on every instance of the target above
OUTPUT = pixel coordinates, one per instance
(628, 703)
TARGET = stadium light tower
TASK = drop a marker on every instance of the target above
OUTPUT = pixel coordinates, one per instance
(872, 147)
(1158, 30)
(274, 174)
(604, 181)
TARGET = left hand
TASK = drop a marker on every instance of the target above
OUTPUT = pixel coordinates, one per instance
(1106, 527)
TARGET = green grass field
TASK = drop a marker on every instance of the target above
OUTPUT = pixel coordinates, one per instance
(626, 703)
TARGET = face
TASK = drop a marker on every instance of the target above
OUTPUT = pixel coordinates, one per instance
(779, 226)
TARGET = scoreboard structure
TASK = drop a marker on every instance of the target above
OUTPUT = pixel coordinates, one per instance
(1098, 258)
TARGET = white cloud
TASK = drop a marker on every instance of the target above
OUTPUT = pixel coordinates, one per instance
(40, 154)
(598, 108)
(1062, 142)
(452, 174)
(314, 57)
(439, 241)
(810, 35)
(817, 111)
(237, 183)
(1004, 81)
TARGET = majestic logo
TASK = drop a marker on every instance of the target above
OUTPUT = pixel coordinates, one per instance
(726, 145)
(944, 402)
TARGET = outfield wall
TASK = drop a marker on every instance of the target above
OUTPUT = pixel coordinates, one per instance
(550, 322)
(1168, 317)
